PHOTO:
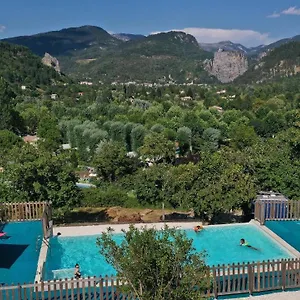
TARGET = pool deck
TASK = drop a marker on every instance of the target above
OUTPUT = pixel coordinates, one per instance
(98, 229)
(274, 296)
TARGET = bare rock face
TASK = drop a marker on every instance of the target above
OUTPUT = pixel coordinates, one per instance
(51, 61)
(227, 65)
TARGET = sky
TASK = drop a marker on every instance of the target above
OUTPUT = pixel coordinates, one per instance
(249, 22)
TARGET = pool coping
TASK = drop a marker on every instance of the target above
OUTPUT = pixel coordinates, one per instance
(278, 239)
(42, 260)
(75, 231)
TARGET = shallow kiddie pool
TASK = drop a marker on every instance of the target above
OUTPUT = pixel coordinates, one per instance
(287, 230)
(19, 253)
(221, 244)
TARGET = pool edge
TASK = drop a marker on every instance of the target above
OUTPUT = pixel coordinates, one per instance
(295, 253)
(75, 231)
(41, 261)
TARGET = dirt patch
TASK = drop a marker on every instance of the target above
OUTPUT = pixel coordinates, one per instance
(119, 214)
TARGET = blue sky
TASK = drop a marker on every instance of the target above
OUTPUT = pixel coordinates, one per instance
(250, 22)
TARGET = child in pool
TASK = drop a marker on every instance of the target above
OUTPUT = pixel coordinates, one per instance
(244, 243)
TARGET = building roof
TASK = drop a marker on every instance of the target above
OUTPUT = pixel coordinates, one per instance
(30, 138)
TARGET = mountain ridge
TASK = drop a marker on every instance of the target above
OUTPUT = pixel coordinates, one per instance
(92, 52)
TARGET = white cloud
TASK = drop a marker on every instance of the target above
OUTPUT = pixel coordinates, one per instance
(292, 11)
(2, 28)
(274, 15)
(248, 38)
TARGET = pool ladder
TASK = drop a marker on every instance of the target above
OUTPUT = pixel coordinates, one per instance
(38, 240)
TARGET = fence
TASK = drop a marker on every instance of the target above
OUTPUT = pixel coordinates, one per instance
(256, 277)
(22, 211)
(276, 210)
(225, 280)
(47, 221)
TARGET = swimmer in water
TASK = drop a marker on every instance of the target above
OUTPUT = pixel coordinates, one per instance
(244, 243)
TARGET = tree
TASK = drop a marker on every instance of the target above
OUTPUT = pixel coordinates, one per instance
(112, 162)
(242, 135)
(137, 137)
(157, 265)
(184, 137)
(157, 147)
(49, 134)
(40, 176)
(211, 137)
(7, 141)
(6, 108)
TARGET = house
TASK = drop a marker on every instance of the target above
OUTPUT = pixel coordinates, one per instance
(218, 108)
(31, 139)
(221, 92)
(80, 94)
(1, 169)
(86, 83)
(83, 175)
(187, 98)
(54, 96)
(66, 146)
(23, 87)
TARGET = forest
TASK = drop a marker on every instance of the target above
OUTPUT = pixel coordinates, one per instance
(207, 148)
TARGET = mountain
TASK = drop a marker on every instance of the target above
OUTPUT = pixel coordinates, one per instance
(225, 45)
(19, 66)
(128, 37)
(263, 49)
(160, 57)
(227, 65)
(90, 51)
(67, 41)
(283, 61)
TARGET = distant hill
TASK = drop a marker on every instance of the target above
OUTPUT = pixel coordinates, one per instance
(283, 61)
(66, 41)
(161, 57)
(225, 45)
(19, 66)
(91, 52)
(257, 51)
(128, 37)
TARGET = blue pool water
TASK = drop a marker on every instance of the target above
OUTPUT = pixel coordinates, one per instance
(19, 253)
(220, 242)
(287, 230)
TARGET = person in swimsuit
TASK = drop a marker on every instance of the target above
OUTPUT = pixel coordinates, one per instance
(244, 243)
(77, 273)
(198, 228)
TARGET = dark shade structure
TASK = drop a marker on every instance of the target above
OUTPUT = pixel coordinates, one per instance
(9, 254)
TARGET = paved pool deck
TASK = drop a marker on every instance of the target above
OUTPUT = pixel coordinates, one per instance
(98, 229)
(274, 296)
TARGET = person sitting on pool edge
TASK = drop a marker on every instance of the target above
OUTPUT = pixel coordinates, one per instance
(198, 228)
(77, 273)
(244, 243)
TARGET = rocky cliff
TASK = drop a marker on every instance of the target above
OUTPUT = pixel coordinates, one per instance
(227, 65)
(51, 61)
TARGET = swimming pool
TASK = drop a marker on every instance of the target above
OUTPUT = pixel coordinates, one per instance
(19, 253)
(287, 230)
(220, 242)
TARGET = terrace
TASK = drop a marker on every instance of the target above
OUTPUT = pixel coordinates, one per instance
(230, 278)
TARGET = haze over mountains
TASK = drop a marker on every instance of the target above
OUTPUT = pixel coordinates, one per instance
(91, 52)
